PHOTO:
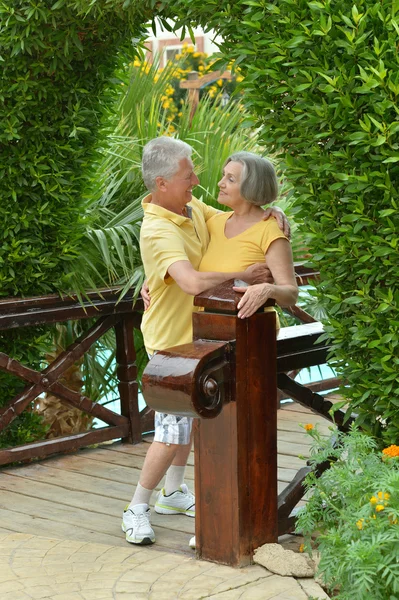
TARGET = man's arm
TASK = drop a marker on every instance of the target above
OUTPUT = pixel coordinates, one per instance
(194, 282)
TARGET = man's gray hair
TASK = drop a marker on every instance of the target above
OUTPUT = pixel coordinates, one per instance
(259, 183)
(161, 157)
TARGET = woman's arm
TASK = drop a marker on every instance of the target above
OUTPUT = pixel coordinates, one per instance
(284, 291)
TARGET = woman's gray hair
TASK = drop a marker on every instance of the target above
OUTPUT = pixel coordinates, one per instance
(161, 157)
(259, 183)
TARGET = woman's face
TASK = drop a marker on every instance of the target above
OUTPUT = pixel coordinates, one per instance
(229, 185)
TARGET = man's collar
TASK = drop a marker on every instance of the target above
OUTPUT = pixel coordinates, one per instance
(160, 211)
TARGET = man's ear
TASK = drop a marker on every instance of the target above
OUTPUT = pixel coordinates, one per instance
(161, 183)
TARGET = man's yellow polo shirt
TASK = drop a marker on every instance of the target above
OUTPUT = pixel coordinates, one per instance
(165, 238)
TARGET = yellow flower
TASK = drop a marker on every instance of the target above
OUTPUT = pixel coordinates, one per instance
(386, 496)
(373, 500)
(200, 68)
(239, 78)
(359, 523)
(196, 54)
(136, 62)
(190, 50)
(178, 56)
(302, 548)
(308, 427)
(172, 128)
(220, 82)
(391, 451)
(379, 507)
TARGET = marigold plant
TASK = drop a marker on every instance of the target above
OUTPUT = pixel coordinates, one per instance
(354, 506)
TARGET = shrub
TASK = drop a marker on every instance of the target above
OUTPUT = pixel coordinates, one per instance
(323, 79)
(354, 506)
(56, 65)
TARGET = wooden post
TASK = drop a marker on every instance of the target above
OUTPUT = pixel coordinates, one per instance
(194, 83)
(193, 94)
(127, 375)
(236, 453)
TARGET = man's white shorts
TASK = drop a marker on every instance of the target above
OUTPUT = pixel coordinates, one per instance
(172, 429)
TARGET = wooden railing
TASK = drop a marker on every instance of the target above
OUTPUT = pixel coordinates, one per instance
(109, 313)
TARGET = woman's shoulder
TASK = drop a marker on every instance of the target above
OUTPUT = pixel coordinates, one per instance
(219, 219)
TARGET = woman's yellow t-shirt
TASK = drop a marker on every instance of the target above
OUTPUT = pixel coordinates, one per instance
(242, 250)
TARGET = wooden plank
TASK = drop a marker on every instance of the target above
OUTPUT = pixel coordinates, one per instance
(290, 462)
(141, 450)
(88, 502)
(89, 521)
(70, 480)
(126, 460)
(95, 468)
(292, 449)
(98, 468)
(12, 522)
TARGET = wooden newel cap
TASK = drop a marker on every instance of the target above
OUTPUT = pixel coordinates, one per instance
(222, 298)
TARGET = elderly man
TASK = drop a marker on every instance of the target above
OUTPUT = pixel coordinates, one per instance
(173, 238)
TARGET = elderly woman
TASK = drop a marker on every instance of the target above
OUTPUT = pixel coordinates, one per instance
(242, 237)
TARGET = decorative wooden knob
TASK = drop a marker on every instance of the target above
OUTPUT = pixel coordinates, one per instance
(211, 398)
(211, 388)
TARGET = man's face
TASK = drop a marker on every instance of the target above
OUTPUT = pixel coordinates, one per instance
(180, 186)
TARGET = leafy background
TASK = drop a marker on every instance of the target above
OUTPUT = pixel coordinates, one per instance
(321, 80)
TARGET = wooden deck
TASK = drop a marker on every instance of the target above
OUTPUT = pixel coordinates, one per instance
(82, 496)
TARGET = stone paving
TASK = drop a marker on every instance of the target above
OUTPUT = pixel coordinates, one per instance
(33, 567)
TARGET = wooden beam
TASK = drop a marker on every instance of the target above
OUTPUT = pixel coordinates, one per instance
(201, 82)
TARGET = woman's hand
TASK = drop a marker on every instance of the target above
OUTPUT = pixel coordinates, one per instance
(254, 297)
(145, 294)
(281, 218)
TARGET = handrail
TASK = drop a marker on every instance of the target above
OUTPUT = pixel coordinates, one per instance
(109, 311)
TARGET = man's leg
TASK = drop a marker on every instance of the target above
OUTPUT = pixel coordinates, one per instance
(171, 445)
(175, 474)
(175, 498)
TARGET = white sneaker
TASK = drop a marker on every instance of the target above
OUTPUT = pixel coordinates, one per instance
(180, 502)
(191, 543)
(136, 525)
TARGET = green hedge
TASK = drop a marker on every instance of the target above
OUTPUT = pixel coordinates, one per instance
(323, 82)
(55, 67)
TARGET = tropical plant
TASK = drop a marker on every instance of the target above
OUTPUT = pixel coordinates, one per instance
(354, 508)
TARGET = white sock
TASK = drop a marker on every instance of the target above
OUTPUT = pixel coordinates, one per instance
(141, 496)
(174, 479)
